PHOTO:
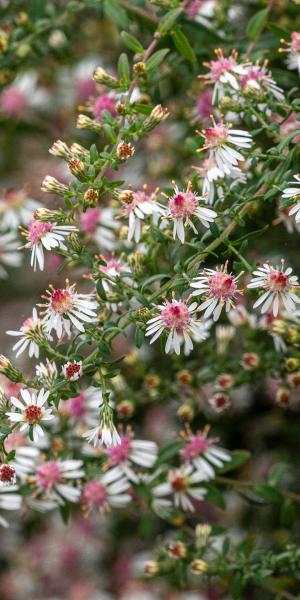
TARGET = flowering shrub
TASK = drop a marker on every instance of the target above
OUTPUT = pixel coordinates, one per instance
(165, 354)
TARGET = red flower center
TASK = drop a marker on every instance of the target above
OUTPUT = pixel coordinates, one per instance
(61, 301)
(278, 281)
(179, 482)
(33, 414)
(7, 474)
(176, 316)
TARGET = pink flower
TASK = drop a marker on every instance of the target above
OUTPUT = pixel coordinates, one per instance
(278, 284)
(204, 105)
(220, 289)
(104, 102)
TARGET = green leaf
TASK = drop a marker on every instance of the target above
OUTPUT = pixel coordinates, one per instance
(256, 24)
(116, 13)
(168, 21)
(36, 9)
(100, 290)
(139, 337)
(237, 587)
(124, 70)
(132, 43)
(215, 496)
(154, 278)
(169, 451)
(182, 44)
(276, 473)
(156, 59)
(238, 458)
(287, 514)
(268, 493)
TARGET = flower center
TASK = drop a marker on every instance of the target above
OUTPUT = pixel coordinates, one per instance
(221, 66)
(61, 301)
(72, 370)
(119, 454)
(176, 316)
(7, 474)
(222, 285)
(179, 482)
(216, 136)
(195, 447)
(94, 494)
(48, 475)
(183, 205)
(33, 414)
(278, 281)
(37, 229)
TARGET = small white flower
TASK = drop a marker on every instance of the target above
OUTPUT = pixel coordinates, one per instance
(220, 289)
(9, 252)
(221, 141)
(184, 484)
(105, 432)
(182, 206)
(46, 372)
(139, 452)
(278, 284)
(52, 477)
(224, 73)
(65, 307)
(31, 333)
(44, 234)
(203, 453)
(106, 491)
(260, 79)
(16, 209)
(72, 370)
(178, 319)
(31, 412)
(293, 51)
(294, 194)
(7, 475)
(136, 206)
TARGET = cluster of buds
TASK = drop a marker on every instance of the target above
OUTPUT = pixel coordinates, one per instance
(157, 115)
(85, 122)
(53, 186)
(61, 150)
(101, 76)
(47, 215)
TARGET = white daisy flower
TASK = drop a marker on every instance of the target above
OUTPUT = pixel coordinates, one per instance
(178, 319)
(52, 480)
(31, 412)
(9, 252)
(65, 307)
(294, 194)
(278, 284)
(136, 206)
(43, 234)
(293, 51)
(224, 73)
(260, 79)
(16, 209)
(182, 206)
(31, 333)
(130, 451)
(105, 492)
(184, 484)
(204, 454)
(220, 289)
(221, 141)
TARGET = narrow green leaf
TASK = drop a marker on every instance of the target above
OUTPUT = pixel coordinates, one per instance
(156, 59)
(182, 44)
(268, 493)
(256, 24)
(169, 451)
(287, 514)
(132, 43)
(124, 70)
(116, 13)
(168, 21)
(239, 457)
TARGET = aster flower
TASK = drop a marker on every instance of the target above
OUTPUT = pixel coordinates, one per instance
(105, 492)
(220, 289)
(32, 334)
(130, 451)
(278, 284)
(16, 208)
(259, 79)
(221, 141)
(184, 484)
(203, 453)
(99, 225)
(294, 194)
(178, 319)
(105, 432)
(72, 370)
(9, 254)
(212, 176)
(182, 206)
(46, 373)
(7, 475)
(52, 480)
(84, 408)
(201, 11)
(43, 234)
(219, 402)
(224, 72)
(293, 51)
(65, 307)
(136, 206)
(31, 412)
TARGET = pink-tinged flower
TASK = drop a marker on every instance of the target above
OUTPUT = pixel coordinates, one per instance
(106, 492)
(100, 225)
(16, 209)
(31, 412)
(184, 485)
(65, 307)
(201, 10)
(9, 252)
(31, 333)
(203, 453)
(43, 234)
(72, 370)
(293, 50)
(224, 72)
(46, 373)
(260, 79)
(294, 194)
(220, 141)
(204, 107)
(182, 207)
(52, 480)
(84, 408)
(278, 284)
(136, 206)
(219, 402)
(7, 475)
(104, 102)
(177, 318)
(139, 452)
(220, 289)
